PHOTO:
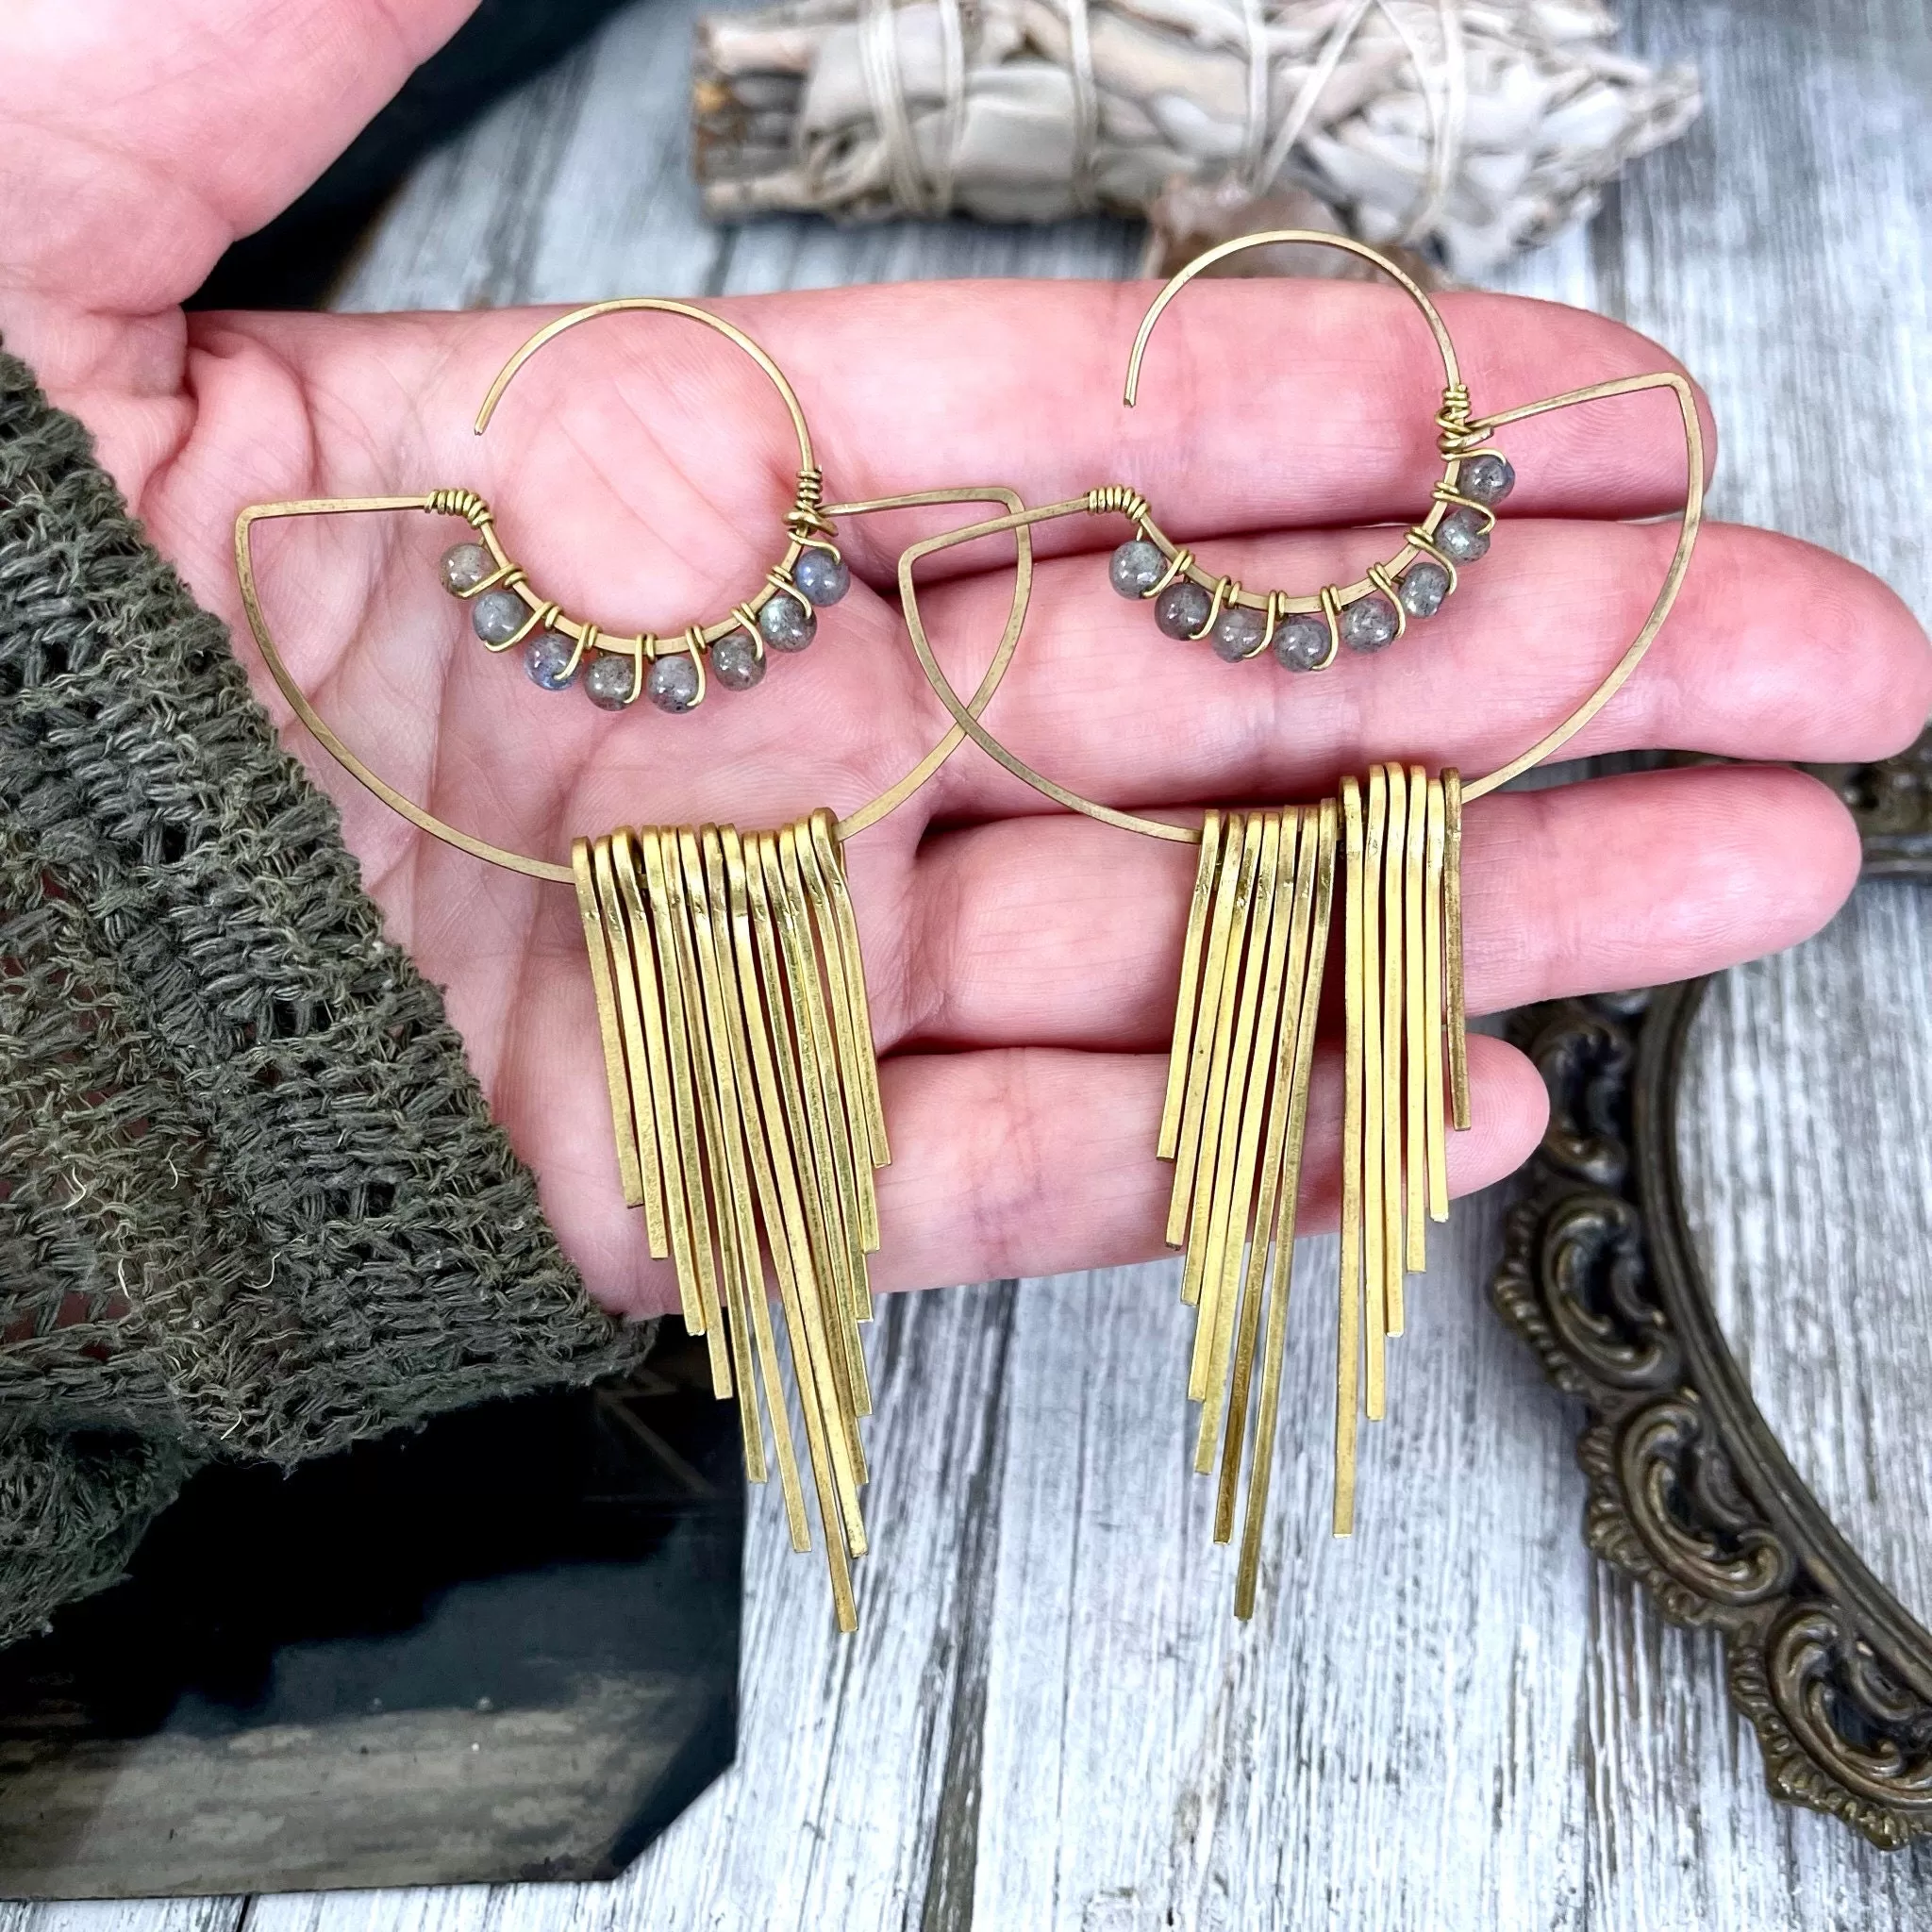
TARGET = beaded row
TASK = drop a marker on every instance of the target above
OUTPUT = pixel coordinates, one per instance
(559, 651)
(1238, 624)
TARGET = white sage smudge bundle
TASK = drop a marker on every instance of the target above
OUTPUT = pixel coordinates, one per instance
(1470, 128)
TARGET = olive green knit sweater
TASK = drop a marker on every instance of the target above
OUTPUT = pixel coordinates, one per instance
(251, 1201)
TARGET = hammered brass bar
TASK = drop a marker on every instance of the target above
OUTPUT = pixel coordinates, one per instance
(832, 1144)
(616, 1072)
(1274, 1342)
(1374, 1217)
(1432, 1016)
(718, 896)
(1195, 1284)
(1458, 1018)
(831, 857)
(1416, 1147)
(686, 1058)
(1187, 1002)
(1395, 862)
(853, 1126)
(743, 1275)
(1200, 1056)
(1241, 1135)
(1293, 888)
(649, 1079)
(1348, 1339)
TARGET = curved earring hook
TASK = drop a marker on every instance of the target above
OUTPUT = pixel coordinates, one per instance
(662, 305)
(1451, 373)
(324, 734)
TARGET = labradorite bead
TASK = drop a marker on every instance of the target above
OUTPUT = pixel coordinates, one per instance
(1237, 633)
(1488, 478)
(465, 566)
(1182, 608)
(788, 625)
(821, 576)
(672, 683)
(1136, 568)
(735, 661)
(1301, 642)
(496, 616)
(1461, 536)
(1425, 584)
(1368, 622)
(546, 661)
(607, 681)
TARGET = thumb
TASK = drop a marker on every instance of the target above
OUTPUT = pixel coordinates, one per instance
(143, 136)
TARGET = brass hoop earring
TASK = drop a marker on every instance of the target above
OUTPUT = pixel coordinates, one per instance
(506, 611)
(741, 1071)
(1308, 631)
(1257, 940)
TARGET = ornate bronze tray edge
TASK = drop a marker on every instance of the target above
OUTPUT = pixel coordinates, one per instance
(1690, 1493)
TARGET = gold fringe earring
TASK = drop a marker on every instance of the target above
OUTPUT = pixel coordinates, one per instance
(1383, 860)
(1235, 1107)
(745, 1100)
(730, 996)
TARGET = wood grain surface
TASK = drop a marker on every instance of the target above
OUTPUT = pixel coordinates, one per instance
(1050, 1722)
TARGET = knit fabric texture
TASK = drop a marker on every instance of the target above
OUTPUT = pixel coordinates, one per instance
(252, 1203)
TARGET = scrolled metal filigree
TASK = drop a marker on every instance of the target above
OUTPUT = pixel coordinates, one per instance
(1690, 1493)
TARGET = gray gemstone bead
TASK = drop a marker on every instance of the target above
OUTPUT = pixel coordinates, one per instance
(1461, 536)
(788, 625)
(672, 683)
(821, 576)
(1368, 623)
(465, 566)
(1237, 633)
(735, 661)
(1487, 477)
(1136, 567)
(497, 616)
(546, 661)
(1182, 608)
(607, 682)
(1301, 642)
(1425, 584)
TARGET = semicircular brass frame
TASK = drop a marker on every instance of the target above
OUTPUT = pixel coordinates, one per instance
(331, 742)
(1691, 1492)
(1105, 499)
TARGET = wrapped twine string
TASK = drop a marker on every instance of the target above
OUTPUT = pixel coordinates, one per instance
(1471, 128)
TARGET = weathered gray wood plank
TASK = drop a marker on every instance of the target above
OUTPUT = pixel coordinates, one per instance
(1050, 1720)
(1808, 1178)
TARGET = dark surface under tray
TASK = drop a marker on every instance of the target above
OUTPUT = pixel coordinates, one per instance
(504, 1647)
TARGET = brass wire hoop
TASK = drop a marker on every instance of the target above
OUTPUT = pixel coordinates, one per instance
(806, 524)
(867, 814)
(1457, 438)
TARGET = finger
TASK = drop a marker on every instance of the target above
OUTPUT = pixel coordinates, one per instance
(1034, 1162)
(123, 195)
(1263, 405)
(914, 386)
(1775, 650)
(1061, 932)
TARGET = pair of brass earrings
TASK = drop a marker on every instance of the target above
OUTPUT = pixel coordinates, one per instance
(742, 1078)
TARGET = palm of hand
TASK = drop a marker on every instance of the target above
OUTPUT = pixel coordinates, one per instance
(1021, 964)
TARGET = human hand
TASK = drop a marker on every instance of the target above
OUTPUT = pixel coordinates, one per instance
(1021, 963)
